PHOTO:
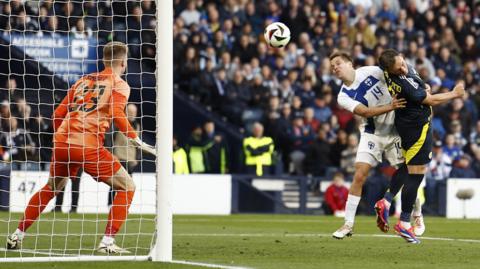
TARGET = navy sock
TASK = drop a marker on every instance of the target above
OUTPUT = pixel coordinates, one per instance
(398, 179)
(388, 196)
(405, 216)
(409, 195)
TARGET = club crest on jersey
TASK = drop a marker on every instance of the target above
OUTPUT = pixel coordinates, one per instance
(369, 82)
(371, 145)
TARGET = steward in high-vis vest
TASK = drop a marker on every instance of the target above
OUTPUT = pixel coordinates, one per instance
(180, 161)
(197, 159)
(258, 150)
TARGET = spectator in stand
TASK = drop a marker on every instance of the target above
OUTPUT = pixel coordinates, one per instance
(456, 131)
(301, 137)
(297, 107)
(80, 30)
(190, 15)
(310, 120)
(285, 92)
(306, 93)
(244, 49)
(66, 17)
(321, 108)
(438, 171)
(207, 83)
(18, 147)
(451, 149)
(338, 147)
(189, 70)
(10, 91)
(317, 158)
(462, 168)
(41, 131)
(347, 160)
(446, 62)
(475, 141)
(336, 196)
(237, 97)
(24, 23)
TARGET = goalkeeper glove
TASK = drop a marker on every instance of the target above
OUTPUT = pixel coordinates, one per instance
(143, 146)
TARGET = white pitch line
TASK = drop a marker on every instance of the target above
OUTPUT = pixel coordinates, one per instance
(76, 258)
(209, 265)
(31, 251)
(310, 220)
(317, 235)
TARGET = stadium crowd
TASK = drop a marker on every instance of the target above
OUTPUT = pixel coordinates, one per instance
(221, 61)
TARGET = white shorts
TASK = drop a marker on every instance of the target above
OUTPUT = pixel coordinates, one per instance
(372, 147)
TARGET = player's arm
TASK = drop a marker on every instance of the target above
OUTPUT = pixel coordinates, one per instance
(440, 98)
(368, 112)
(62, 110)
(362, 110)
(121, 122)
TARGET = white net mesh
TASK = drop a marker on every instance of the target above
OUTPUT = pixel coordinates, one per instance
(45, 47)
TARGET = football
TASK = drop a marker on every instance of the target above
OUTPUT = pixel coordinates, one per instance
(277, 35)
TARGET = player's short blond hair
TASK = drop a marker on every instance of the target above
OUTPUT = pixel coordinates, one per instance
(114, 52)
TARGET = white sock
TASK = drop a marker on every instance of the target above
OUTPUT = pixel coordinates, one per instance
(108, 240)
(406, 225)
(417, 208)
(20, 234)
(351, 209)
(398, 203)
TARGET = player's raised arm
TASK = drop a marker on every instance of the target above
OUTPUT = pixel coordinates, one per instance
(440, 98)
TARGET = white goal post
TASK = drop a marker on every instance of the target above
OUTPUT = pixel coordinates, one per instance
(69, 235)
(162, 250)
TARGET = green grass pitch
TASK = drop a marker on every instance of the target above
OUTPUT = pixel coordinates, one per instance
(254, 241)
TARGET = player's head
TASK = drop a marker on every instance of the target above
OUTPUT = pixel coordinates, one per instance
(341, 64)
(393, 62)
(115, 55)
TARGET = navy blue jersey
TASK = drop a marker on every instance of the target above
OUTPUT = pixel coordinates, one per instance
(413, 89)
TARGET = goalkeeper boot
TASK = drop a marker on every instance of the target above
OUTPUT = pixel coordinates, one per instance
(406, 233)
(345, 230)
(418, 225)
(14, 241)
(382, 208)
(111, 248)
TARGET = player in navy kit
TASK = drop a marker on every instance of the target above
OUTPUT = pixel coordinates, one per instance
(413, 126)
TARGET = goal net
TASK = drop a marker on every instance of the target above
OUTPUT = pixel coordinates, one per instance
(45, 47)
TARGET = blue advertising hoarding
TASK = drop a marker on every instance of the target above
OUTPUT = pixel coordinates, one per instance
(66, 57)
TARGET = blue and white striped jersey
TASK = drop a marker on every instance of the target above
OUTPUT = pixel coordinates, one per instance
(369, 88)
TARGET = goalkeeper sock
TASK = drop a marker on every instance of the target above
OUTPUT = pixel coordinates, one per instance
(37, 204)
(118, 212)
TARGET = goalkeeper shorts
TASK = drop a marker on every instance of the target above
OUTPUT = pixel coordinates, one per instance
(97, 162)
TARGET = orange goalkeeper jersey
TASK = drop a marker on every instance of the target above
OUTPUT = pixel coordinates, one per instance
(90, 106)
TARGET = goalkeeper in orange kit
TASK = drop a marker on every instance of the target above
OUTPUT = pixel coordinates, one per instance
(80, 123)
